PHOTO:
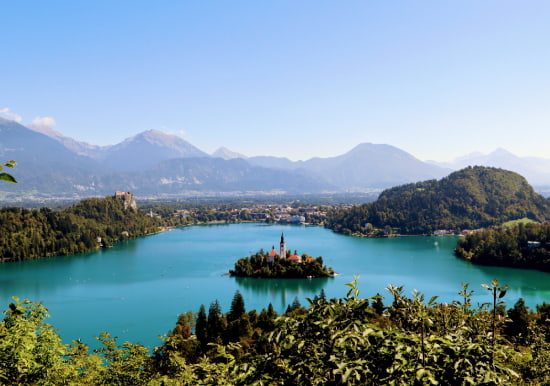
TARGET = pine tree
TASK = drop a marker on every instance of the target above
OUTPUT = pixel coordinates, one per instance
(201, 327)
(237, 307)
(215, 324)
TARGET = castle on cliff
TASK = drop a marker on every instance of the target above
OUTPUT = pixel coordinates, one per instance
(128, 199)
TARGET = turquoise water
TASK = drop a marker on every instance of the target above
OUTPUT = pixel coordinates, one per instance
(136, 289)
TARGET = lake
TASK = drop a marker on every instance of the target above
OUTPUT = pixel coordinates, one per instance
(136, 289)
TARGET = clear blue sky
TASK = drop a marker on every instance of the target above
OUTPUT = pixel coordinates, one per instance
(299, 79)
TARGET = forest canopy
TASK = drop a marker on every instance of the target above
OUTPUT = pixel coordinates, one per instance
(35, 233)
(519, 246)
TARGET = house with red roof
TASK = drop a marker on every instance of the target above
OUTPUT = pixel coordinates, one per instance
(272, 255)
(295, 258)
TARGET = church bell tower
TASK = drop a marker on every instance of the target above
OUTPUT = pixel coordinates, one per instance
(282, 249)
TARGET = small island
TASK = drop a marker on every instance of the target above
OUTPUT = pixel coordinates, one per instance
(281, 265)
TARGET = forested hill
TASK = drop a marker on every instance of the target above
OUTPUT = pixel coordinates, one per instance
(470, 198)
(518, 246)
(31, 234)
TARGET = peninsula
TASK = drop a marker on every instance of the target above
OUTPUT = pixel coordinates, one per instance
(281, 264)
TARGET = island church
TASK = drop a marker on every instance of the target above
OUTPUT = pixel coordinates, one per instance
(282, 253)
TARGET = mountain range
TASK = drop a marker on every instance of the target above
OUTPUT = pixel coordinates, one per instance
(153, 163)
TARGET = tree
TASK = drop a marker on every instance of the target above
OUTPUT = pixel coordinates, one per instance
(378, 305)
(201, 326)
(518, 325)
(215, 324)
(29, 347)
(237, 307)
(5, 176)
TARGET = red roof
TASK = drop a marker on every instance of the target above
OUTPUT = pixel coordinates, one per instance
(273, 252)
(310, 259)
(295, 258)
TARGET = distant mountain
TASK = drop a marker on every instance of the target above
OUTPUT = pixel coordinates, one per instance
(373, 165)
(535, 170)
(153, 162)
(78, 147)
(225, 153)
(170, 166)
(184, 176)
(467, 199)
(44, 166)
(274, 162)
(143, 151)
(365, 166)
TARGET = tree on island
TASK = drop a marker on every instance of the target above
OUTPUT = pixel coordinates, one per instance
(259, 266)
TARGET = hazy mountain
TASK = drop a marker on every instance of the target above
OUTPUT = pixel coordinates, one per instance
(78, 147)
(44, 166)
(274, 162)
(145, 150)
(535, 170)
(365, 166)
(373, 165)
(47, 168)
(225, 153)
(187, 175)
(153, 162)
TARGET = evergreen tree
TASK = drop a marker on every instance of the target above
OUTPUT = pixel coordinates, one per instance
(215, 324)
(201, 329)
(237, 307)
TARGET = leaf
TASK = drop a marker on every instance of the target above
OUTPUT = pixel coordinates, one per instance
(8, 178)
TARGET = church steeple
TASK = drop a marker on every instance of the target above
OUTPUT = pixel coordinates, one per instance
(282, 249)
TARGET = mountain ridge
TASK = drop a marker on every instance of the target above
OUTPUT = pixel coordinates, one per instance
(145, 159)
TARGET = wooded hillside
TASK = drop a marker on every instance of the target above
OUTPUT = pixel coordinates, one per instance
(471, 198)
(31, 234)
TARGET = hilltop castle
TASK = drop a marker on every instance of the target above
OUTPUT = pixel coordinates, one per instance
(128, 199)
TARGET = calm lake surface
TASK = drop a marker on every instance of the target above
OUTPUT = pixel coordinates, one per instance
(136, 289)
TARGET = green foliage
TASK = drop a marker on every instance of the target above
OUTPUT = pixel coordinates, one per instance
(5, 176)
(414, 341)
(123, 365)
(509, 246)
(471, 198)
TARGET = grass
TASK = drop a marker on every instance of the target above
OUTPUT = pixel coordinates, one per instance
(524, 220)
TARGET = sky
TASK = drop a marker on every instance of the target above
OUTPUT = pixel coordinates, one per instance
(297, 79)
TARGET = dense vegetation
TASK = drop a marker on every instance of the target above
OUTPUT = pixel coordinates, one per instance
(350, 341)
(521, 246)
(34, 233)
(471, 198)
(258, 265)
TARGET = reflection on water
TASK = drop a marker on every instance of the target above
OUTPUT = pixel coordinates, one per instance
(282, 292)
